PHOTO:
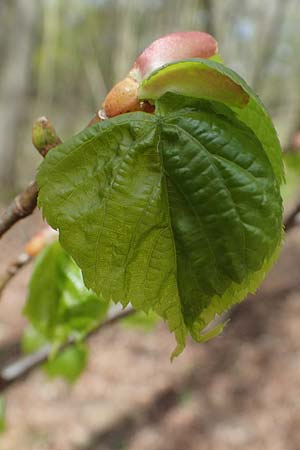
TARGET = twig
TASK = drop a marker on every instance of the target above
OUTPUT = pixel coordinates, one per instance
(22, 206)
(24, 366)
(31, 249)
(44, 138)
(22, 260)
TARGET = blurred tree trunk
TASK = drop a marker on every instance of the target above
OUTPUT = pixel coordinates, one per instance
(209, 17)
(14, 72)
(269, 45)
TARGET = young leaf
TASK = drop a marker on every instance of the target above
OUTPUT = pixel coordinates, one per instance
(202, 78)
(58, 304)
(69, 364)
(32, 340)
(179, 212)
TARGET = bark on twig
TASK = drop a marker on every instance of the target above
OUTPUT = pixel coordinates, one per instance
(22, 206)
(44, 138)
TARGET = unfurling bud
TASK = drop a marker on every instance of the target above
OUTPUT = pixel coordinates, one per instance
(122, 98)
(170, 48)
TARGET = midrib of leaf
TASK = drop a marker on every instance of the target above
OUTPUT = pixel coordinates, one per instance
(180, 331)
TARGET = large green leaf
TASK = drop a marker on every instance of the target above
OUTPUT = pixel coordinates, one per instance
(179, 212)
(203, 78)
(225, 210)
(103, 191)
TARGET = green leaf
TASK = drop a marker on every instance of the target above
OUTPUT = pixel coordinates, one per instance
(32, 340)
(58, 304)
(202, 78)
(179, 212)
(69, 364)
(224, 205)
(113, 216)
(2, 415)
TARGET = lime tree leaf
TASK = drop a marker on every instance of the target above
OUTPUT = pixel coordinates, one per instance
(178, 212)
(225, 211)
(203, 78)
(103, 191)
(68, 364)
(59, 305)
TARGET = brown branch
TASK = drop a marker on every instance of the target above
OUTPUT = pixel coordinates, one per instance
(24, 366)
(12, 269)
(44, 138)
(22, 206)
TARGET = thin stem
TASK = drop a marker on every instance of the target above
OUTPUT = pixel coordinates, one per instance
(22, 206)
(24, 366)
(44, 138)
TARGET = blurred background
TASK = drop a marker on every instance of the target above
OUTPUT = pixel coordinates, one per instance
(240, 391)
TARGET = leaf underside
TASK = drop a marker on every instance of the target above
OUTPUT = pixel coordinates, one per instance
(178, 212)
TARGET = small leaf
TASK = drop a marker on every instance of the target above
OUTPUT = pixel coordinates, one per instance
(58, 304)
(32, 340)
(194, 78)
(69, 364)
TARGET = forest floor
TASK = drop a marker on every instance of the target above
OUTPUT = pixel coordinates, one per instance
(238, 391)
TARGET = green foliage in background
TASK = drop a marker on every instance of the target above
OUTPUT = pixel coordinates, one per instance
(68, 364)
(60, 307)
(177, 212)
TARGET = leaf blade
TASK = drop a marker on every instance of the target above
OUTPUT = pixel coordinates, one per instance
(202, 78)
